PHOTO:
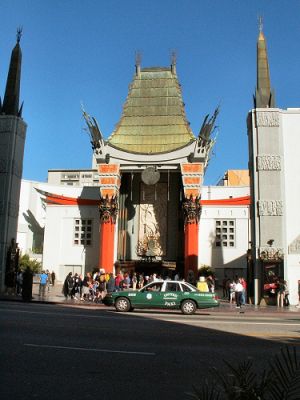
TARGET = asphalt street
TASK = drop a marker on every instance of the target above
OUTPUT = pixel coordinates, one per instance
(55, 351)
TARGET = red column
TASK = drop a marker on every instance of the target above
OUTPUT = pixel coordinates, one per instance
(106, 245)
(191, 248)
(108, 209)
(191, 211)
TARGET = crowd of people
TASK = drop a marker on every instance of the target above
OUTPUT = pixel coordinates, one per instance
(94, 287)
(235, 291)
(45, 278)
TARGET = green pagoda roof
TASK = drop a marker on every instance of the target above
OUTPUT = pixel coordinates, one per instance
(153, 119)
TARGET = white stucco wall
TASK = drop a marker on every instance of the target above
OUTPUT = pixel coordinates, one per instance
(291, 146)
(61, 255)
(225, 260)
(60, 252)
(30, 203)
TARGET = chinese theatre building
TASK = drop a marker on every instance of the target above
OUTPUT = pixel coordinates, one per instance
(148, 190)
(150, 176)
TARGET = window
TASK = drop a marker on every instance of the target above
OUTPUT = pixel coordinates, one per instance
(225, 233)
(172, 287)
(185, 288)
(82, 232)
(153, 287)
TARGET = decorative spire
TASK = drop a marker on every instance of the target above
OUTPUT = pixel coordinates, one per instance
(260, 23)
(173, 62)
(12, 92)
(264, 96)
(138, 59)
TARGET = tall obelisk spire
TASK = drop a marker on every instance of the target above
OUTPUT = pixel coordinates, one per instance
(264, 96)
(12, 92)
(12, 135)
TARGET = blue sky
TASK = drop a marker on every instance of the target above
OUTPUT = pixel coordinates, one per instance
(84, 50)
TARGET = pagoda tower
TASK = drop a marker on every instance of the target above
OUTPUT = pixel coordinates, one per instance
(12, 141)
(151, 171)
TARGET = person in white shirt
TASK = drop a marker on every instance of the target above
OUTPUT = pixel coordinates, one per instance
(238, 293)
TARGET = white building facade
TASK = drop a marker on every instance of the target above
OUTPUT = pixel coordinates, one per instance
(69, 233)
(275, 190)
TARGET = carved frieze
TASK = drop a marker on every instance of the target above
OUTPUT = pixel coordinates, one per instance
(270, 253)
(268, 162)
(153, 220)
(108, 209)
(270, 207)
(191, 210)
(294, 247)
(267, 118)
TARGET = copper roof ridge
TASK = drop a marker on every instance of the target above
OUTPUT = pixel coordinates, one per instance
(152, 153)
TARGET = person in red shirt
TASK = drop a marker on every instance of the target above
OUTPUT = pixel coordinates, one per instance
(244, 293)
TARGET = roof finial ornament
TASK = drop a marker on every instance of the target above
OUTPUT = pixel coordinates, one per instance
(173, 57)
(173, 61)
(260, 23)
(19, 33)
(138, 59)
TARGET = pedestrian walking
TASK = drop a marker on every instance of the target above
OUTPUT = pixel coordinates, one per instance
(244, 293)
(68, 285)
(232, 291)
(43, 283)
(53, 277)
(280, 293)
(238, 293)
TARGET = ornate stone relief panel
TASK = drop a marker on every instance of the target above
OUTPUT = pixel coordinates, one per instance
(270, 207)
(270, 253)
(267, 118)
(294, 247)
(268, 162)
(153, 219)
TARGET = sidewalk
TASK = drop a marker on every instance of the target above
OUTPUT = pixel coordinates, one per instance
(55, 296)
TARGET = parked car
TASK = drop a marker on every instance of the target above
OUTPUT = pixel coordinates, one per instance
(163, 294)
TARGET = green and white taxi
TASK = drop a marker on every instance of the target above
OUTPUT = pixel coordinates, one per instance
(162, 294)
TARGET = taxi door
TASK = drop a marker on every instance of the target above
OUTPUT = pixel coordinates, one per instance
(172, 295)
(150, 296)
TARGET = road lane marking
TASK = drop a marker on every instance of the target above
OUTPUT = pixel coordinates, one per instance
(153, 317)
(263, 334)
(202, 322)
(141, 353)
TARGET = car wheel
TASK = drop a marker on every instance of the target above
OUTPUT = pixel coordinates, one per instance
(188, 307)
(122, 304)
